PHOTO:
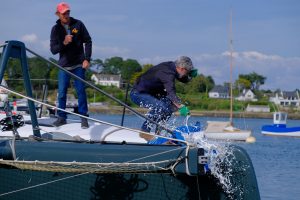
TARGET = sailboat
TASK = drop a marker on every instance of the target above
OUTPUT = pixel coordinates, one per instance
(105, 162)
(220, 130)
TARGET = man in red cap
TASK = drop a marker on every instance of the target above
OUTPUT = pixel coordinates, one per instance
(70, 38)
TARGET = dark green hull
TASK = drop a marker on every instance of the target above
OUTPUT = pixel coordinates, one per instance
(159, 185)
(106, 186)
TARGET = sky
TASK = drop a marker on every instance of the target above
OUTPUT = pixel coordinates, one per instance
(265, 33)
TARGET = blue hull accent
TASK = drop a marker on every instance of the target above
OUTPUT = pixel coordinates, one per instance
(280, 129)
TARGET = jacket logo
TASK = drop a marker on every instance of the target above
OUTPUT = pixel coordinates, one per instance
(74, 30)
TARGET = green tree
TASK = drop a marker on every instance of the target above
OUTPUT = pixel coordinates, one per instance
(112, 65)
(210, 84)
(242, 84)
(136, 75)
(14, 72)
(53, 75)
(204, 84)
(180, 87)
(200, 83)
(38, 68)
(255, 79)
(128, 68)
(39, 71)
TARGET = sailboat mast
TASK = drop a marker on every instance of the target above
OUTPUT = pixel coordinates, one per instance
(231, 68)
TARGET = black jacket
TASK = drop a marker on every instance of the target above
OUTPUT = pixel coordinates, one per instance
(159, 80)
(73, 53)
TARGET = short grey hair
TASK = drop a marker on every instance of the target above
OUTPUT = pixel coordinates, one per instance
(184, 62)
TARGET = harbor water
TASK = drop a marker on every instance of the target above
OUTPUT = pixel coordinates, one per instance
(275, 159)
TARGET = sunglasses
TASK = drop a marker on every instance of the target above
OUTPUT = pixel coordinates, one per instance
(65, 13)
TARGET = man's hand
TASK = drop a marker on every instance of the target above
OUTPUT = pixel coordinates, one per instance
(85, 64)
(184, 111)
(68, 39)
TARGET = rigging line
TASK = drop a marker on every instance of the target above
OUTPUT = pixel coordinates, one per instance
(89, 118)
(73, 176)
(231, 69)
(175, 164)
(160, 153)
(41, 184)
(186, 157)
(103, 92)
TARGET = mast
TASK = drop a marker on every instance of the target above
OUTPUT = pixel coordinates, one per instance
(231, 68)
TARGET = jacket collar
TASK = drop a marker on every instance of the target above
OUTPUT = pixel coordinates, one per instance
(174, 67)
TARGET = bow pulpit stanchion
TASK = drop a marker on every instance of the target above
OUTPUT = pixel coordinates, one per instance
(16, 49)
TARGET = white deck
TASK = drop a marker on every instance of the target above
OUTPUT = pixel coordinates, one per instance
(217, 130)
(73, 130)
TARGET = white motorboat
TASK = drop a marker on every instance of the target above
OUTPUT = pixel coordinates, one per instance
(279, 127)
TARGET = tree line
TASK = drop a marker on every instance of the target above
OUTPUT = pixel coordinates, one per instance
(129, 69)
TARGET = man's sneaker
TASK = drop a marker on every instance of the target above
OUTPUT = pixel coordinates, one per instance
(60, 121)
(84, 123)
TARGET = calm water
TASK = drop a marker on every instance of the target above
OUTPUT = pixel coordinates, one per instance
(276, 159)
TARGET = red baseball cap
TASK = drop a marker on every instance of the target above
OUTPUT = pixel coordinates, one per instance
(62, 7)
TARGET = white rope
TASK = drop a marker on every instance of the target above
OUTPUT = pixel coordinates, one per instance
(187, 169)
(175, 164)
(158, 153)
(80, 167)
(89, 118)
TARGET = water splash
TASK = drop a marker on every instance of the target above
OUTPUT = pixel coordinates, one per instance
(220, 155)
(221, 161)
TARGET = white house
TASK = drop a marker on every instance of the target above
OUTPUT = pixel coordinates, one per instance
(247, 95)
(257, 108)
(107, 79)
(219, 92)
(286, 98)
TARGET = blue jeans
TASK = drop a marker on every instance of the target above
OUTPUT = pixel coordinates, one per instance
(160, 109)
(63, 84)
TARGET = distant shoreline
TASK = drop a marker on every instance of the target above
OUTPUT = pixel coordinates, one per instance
(119, 110)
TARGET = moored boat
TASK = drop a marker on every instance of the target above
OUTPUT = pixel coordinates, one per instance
(279, 127)
(218, 130)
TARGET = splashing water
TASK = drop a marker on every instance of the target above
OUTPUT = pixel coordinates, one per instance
(221, 160)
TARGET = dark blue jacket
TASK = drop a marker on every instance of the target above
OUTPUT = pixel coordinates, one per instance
(159, 80)
(73, 53)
